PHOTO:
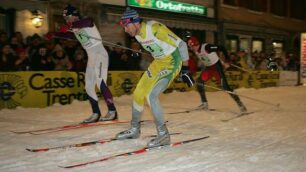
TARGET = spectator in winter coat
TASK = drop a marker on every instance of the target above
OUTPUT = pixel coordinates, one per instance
(7, 59)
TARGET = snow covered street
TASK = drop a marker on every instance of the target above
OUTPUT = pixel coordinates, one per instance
(268, 139)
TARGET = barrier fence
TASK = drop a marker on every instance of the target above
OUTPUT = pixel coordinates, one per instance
(42, 89)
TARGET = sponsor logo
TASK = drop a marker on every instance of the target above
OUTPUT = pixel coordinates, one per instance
(147, 42)
(12, 88)
(164, 72)
(51, 87)
(149, 74)
(125, 83)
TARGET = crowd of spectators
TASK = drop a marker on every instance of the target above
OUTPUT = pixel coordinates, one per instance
(260, 61)
(39, 54)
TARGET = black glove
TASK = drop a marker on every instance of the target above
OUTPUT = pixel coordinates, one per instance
(186, 76)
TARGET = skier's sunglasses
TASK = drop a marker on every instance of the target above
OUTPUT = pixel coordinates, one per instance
(125, 22)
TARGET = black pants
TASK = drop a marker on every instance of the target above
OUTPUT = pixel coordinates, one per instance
(224, 85)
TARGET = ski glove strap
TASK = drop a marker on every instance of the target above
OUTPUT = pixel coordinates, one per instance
(186, 76)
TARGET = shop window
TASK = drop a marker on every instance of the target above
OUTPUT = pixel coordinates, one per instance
(297, 9)
(257, 5)
(257, 45)
(279, 7)
(2, 22)
(230, 2)
(244, 44)
(231, 43)
(278, 48)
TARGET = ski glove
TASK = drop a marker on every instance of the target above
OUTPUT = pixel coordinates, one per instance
(186, 76)
(64, 28)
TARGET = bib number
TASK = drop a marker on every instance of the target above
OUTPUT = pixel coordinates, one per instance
(82, 36)
(155, 50)
(205, 60)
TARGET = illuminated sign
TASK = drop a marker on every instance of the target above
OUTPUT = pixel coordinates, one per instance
(170, 6)
(303, 56)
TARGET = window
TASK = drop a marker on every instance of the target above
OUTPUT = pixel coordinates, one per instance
(230, 2)
(257, 45)
(278, 48)
(297, 9)
(2, 22)
(244, 44)
(231, 43)
(279, 7)
(257, 5)
(243, 3)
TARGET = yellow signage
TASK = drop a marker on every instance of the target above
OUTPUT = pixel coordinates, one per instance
(41, 89)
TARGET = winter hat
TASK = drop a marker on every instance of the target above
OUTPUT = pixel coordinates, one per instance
(129, 16)
(70, 11)
(193, 41)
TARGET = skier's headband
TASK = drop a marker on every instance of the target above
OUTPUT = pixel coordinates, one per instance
(125, 22)
(129, 16)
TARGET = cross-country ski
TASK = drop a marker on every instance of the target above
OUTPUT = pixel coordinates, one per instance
(136, 152)
(69, 127)
(83, 144)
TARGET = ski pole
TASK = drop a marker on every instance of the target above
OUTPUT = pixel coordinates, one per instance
(238, 67)
(231, 92)
(110, 43)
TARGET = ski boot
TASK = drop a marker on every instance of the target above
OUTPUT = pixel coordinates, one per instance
(93, 118)
(203, 106)
(132, 133)
(162, 138)
(111, 115)
(243, 109)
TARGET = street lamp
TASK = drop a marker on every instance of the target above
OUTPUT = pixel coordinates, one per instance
(37, 19)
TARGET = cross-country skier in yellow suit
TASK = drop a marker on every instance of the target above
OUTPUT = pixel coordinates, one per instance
(169, 52)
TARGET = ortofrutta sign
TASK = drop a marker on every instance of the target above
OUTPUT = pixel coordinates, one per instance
(171, 6)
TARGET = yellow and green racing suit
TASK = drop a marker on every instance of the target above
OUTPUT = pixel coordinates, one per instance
(163, 45)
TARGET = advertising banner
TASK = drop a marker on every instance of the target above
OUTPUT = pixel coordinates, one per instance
(303, 58)
(42, 89)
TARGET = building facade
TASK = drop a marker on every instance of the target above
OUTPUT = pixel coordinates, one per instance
(261, 25)
(249, 25)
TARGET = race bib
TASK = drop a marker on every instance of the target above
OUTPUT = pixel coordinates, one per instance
(205, 60)
(83, 37)
(155, 50)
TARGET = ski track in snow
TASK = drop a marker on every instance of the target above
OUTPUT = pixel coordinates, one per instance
(270, 139)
